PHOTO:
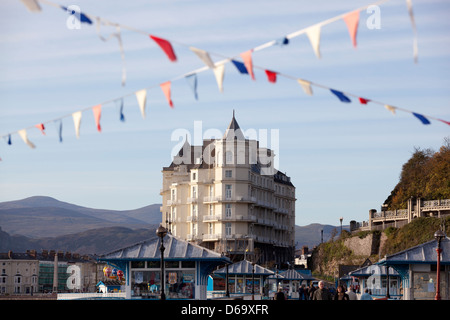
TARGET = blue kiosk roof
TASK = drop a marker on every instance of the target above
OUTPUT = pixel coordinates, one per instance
(423, 253)
(244, 267)
(175, 249)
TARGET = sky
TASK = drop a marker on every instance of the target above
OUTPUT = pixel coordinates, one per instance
(343, 158)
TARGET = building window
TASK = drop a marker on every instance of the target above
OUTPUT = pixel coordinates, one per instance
(174, 194)
(228, 173)
(194, 175)
(228, 191)
(228, 210)
(211, 191)
(211, 210)
(211, 228)
(194, 229)
(228, 229)
(194, 192)
(229, 157)
(194, 210)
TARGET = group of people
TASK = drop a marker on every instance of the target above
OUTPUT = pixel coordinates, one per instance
(322, 293)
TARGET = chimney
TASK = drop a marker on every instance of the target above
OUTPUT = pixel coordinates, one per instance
(305, 250)
(55, 274)
(32, 253)
(44, 253)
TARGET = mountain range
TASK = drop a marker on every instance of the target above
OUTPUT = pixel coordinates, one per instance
(41, 222)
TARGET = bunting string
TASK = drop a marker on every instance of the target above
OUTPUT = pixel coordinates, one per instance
(351, 19)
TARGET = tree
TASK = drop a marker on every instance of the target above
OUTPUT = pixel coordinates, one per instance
(425, 175)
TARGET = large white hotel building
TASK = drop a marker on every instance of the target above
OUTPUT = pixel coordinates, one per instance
(225, 195)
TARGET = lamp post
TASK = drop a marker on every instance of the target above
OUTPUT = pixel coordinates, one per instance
(341, 219)
(439, 235)
(161, 232)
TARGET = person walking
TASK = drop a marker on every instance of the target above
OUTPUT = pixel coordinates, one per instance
(280, 295)
(351, 293)
(366, 295)
(311, 290)
(321, 293)
(341, 294)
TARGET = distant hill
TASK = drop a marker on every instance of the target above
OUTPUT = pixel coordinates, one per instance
(310, 235)
(46, 223)
(93, 241)
(41, 216)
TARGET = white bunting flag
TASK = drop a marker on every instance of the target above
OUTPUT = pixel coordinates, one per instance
(313, 34)
(77, 121)
(141, 97)
(219, 72)
(306, 85)
(390, 108)
(32, 5)
(23, 134)
(204, 56)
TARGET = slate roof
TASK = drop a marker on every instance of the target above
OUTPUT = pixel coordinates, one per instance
(423, 253)
(292, 274)
(244, 267)
(175, 249)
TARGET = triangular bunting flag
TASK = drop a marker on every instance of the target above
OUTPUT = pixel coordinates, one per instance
(447, 122)
(41, 127)
(282, 41)
(341, 96)
(166, 89)
(166, 47)
(141, 97)
(23, 134)
(306, 86)
(351, 20)
(271, 76)
(204, 56)
(77, 122)
(122, 116)
(58, 123)
(80, 16)
(240, 66)
(413, 23)
(97, 114)
(247, 57)
(219, 72)
(421, 118)
(9, 139)
(32, 5)
(363, 100)
(192, 81)
(313, 34)
(390, 108)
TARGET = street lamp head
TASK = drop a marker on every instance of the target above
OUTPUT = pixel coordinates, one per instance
(439, 235)
(161, 231)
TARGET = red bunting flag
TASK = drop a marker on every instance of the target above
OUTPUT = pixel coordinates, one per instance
(351, 20)
(166, 89)
(363, 100)
(247, 57)
(271, 76)
(166, 47)
(97, 114)
(41, 127)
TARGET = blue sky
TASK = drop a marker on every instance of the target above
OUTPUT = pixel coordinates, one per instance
(344, 159)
